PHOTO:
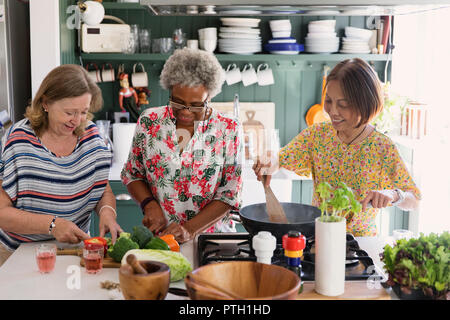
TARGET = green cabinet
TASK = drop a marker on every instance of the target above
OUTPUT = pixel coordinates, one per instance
(128, 212)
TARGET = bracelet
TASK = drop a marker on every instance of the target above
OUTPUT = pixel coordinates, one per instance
(52, 225)
(401, 197)
(146, 201)
(106, 206)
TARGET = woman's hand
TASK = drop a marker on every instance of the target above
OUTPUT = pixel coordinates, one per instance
(180, 233)
(154, 218)
(379, 198)
(108, 223)
(67, 231)
(264, 167)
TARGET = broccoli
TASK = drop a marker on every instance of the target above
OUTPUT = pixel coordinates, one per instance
(122, 245)
(141, 235)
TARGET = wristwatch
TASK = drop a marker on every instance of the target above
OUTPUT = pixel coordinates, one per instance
(146, 201)
(401, 197)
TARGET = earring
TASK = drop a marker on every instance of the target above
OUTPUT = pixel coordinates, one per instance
(45, 109)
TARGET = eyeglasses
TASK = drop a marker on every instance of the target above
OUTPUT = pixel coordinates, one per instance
(179, 106)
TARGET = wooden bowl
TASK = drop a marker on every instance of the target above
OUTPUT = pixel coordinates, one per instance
(151, 286)
(247, 279)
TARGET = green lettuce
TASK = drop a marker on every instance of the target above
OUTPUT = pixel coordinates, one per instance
(177, 262)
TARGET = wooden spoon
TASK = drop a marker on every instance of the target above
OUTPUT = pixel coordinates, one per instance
(273, 206)
(134, 263)
(208, 285)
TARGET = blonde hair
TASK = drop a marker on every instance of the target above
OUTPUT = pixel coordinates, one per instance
(66, 81)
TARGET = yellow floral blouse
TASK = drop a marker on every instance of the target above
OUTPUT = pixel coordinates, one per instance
(372, 164)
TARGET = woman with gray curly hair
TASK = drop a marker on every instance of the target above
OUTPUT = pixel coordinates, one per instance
(184, 166)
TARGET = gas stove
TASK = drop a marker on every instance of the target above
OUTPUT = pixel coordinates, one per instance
(221, 247)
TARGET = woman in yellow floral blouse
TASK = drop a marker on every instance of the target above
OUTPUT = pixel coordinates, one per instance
(350, 150)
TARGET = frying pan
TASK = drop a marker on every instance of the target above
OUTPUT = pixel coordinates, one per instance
(301, 218)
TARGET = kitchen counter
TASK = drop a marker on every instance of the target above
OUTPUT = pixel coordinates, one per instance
(20, 279)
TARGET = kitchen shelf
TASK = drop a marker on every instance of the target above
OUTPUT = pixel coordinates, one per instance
(235, 57)
(125, 5)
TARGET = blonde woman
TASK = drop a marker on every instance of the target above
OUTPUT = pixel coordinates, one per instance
(54, 166)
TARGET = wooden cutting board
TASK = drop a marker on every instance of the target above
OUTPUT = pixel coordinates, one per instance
(108, 262)
(354, 290)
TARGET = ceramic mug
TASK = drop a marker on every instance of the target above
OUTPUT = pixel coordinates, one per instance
(265, 75)
(94, 74)
(192, 44)
(232, 74)
(139, 79)
(108, 74)
(249, 75)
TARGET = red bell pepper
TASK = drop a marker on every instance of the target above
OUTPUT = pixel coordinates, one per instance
(96, 242)
(171, 242)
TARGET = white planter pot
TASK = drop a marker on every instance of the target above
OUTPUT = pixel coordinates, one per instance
(330, 251)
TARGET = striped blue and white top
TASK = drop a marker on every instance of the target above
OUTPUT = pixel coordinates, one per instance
(38, 181)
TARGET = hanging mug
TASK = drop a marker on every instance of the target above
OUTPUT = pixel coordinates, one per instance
(249, 75)
(108, 74)
(120, 70)
(93, 74)
(139, 79)
(265, 75)
(232, 74)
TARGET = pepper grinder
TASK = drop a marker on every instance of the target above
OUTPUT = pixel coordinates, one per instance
(264, 243)
(293, 244)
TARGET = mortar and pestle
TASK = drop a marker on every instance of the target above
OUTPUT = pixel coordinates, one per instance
(144, 280)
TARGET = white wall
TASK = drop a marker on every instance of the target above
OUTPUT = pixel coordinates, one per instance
(44, 40)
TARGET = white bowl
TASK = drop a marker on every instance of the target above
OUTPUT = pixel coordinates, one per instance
(274, 23)
(359, 33)
(281, 34)
(318, 28)
(321, 35)
(327, 23)
(281, 28)
(208, 45)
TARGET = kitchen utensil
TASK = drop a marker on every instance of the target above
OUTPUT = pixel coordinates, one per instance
(152, 285)
(273, 206)
(232, 74)
(249, 75)
(246, 279)
(192, 44)
(144, 41)
(209, 285)
(316, 114)
(139, 79)
(134, 263)
(107, 74)
(166, 45)
(301, 217)
(94, 74)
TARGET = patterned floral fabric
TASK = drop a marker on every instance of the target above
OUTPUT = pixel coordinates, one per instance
(373, 164)
(209, 167)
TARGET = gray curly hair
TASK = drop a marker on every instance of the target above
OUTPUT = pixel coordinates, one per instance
(191, 68)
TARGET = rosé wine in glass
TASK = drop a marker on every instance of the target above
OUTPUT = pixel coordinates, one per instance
(46, 257)
(93, 259)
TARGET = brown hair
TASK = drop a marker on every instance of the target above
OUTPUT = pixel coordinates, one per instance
(360, 86)
(66, 81)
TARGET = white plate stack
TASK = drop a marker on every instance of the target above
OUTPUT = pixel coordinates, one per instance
(321, 37)
(356, 40)
(240, 36)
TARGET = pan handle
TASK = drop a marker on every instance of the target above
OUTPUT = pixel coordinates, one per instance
(234, 215)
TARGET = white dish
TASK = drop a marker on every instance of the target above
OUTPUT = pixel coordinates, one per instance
(284, 52)
(323, 12)
(321, 35)
(318, 28)
(329, 23)
(281, 34)
(240, 22)
(322, 40)
(283, 41)
(228, 35)
(240, 30)
(274, 29)
(359, 33)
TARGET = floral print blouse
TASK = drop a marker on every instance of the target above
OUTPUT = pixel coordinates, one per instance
(372, 164)
(208, 168)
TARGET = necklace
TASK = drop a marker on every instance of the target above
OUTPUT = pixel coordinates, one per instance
(359, 134)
